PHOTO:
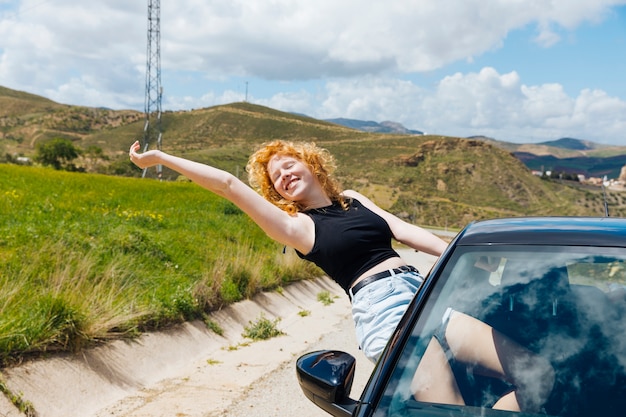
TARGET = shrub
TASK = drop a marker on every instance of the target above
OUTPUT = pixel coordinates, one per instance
(262, 329)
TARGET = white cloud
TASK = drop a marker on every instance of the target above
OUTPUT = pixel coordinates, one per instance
(70, 50)
(285, 39)
(545, 101)
(93, 53)
(297, 102)
(206, 100)
(501, 106)
(484, 103)
(370, 97)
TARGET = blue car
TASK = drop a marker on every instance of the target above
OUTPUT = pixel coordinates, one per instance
(551, 290)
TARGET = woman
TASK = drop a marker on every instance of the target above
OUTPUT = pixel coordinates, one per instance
(349, 237)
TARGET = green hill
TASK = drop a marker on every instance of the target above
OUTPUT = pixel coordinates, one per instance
(26, 119)
(433, 180)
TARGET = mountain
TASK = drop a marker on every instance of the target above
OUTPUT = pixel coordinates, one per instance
(568, 155)
(588, 166)
(573, 144)
(427, 179)
(574, 156)
(371, 126)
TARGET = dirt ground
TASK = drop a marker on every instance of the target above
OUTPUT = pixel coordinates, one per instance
(190, 371)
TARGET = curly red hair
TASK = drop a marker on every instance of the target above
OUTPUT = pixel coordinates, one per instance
(319, 160)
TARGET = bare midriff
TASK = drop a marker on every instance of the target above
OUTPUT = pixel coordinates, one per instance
(385, 265)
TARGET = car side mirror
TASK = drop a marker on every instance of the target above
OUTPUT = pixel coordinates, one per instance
(326, 378)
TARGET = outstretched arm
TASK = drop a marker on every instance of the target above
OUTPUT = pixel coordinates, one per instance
(295, 231)
(409, 234)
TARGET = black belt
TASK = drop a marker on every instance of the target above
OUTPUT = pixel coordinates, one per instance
(380, 275)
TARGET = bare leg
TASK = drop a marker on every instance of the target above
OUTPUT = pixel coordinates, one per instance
(508, 402)
(434, 381)
(474, 342)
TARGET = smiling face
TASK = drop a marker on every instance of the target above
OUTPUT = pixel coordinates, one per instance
(294, 176)
(292, 179)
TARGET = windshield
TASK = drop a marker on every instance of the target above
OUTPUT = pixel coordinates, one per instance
(535, 328)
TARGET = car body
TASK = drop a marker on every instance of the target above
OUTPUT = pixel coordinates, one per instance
(556, 285)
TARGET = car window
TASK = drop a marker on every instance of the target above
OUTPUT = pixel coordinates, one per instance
(565, 306)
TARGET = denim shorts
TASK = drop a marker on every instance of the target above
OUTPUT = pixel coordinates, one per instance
(378, 307)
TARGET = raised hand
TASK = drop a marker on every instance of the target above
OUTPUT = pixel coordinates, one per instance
(143, 160)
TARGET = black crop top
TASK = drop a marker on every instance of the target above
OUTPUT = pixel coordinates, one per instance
(348, 242)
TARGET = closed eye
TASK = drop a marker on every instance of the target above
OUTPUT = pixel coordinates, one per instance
(278, 174)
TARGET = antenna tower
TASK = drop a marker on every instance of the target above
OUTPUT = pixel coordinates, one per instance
(152, 128)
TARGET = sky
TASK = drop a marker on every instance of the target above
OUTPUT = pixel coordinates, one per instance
(523, 71)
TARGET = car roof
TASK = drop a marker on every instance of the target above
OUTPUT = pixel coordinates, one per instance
(569, 231)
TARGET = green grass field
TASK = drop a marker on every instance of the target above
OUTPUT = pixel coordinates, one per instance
(88, 257)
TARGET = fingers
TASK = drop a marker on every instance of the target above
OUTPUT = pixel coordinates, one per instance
(132, 153)
(145, 159)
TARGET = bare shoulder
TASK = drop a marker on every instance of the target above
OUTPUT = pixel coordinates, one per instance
(366, 202)
(349, 193)
(358, 196)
